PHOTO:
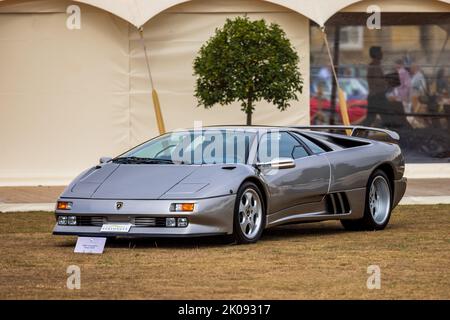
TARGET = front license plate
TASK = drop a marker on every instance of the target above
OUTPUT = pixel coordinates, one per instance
(122, 228)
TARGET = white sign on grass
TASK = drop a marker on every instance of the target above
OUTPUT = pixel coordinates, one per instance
(90, 245)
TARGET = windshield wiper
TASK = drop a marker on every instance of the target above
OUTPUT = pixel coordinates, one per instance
(137, 160)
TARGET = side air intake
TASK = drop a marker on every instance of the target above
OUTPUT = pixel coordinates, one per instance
(337, 203)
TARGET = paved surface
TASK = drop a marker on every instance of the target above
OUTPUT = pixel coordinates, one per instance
(28, 195)
(426, 187)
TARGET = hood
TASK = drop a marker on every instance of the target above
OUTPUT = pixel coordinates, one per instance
(211, 181)
(130, 182)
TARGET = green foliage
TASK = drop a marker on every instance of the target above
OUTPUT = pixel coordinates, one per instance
(247, 61)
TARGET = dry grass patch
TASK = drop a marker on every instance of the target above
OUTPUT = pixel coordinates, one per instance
(308, 261)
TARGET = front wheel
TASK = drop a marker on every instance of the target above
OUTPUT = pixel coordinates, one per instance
(378, 205)
(249, 214)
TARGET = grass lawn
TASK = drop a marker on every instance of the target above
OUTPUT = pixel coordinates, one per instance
(310, 261)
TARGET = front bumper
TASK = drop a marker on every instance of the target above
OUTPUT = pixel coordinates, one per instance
(212, 216)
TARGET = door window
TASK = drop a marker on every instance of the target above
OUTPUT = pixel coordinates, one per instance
(280, 145)
(313, 146)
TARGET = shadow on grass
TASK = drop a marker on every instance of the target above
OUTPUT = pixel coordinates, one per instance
(301, 231)
(131, 243)
(295, 232)
(282, 233)
(175, 243)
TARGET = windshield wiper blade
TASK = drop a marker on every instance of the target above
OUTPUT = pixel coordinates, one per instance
(156, 160)
(125, 159)
(137, 160)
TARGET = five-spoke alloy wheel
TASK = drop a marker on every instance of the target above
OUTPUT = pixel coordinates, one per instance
(379, 200)
(378, 205)
(249, 215)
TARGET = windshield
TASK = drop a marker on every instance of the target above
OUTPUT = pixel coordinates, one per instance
(193, 147)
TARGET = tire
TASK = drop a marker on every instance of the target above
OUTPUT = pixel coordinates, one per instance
(378, 206)
(249, 214)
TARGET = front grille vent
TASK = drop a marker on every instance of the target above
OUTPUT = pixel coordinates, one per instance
(98, 221)
(149, 222)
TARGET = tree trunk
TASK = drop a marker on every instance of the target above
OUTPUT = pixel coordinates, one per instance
(249, 111)
(249, 117)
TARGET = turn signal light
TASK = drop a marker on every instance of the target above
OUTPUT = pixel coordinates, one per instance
(64, 205)
(182, 207)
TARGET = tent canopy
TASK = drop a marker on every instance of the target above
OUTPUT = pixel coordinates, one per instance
(138, 12)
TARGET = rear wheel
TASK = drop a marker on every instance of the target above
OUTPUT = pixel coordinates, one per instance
(378, 205)
(249, 214)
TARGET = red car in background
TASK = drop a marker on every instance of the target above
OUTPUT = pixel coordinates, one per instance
(320, 102)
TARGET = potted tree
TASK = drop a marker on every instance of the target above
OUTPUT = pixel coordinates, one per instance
(247, 61)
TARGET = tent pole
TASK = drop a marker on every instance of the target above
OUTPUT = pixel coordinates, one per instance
(156, 104)
(337, 35)
(341, 94)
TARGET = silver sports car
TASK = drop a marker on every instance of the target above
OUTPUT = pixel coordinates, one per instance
(238, 181)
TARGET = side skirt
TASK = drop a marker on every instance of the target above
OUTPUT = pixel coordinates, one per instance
(340, 205)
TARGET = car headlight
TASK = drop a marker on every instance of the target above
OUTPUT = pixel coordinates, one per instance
(177, 222)
(182, 222)
(72, 220)
(67, 220)
(62, 220)
(171, 222)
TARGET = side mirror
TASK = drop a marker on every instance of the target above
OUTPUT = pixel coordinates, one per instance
(277, 163)
(105, 160)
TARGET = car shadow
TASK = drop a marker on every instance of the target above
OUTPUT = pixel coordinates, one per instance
(147, 242)
(290, 232)
(301, 231)
(287, 232)
(175, 243)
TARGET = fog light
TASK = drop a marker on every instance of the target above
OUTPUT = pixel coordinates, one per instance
(72, 221)
(64, 205)
(182, 222)
(171, 222)
(62, 220)
(182, 207)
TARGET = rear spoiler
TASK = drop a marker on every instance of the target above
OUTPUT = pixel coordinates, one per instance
(358, 131)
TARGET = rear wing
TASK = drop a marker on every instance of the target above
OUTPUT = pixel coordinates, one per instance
(357, 131)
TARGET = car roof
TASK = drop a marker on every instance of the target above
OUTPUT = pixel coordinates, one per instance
(242, 127)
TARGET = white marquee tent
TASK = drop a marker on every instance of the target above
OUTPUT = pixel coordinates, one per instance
(68, 97)
(138, 12)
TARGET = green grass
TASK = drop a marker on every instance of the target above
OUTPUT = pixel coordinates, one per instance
(310, 261)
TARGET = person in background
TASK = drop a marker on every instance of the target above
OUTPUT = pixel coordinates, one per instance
(376, 101)
(402, 93)
(418, 84)
(441, 82)
(419, 89)
(324, 74)
(399, 97)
